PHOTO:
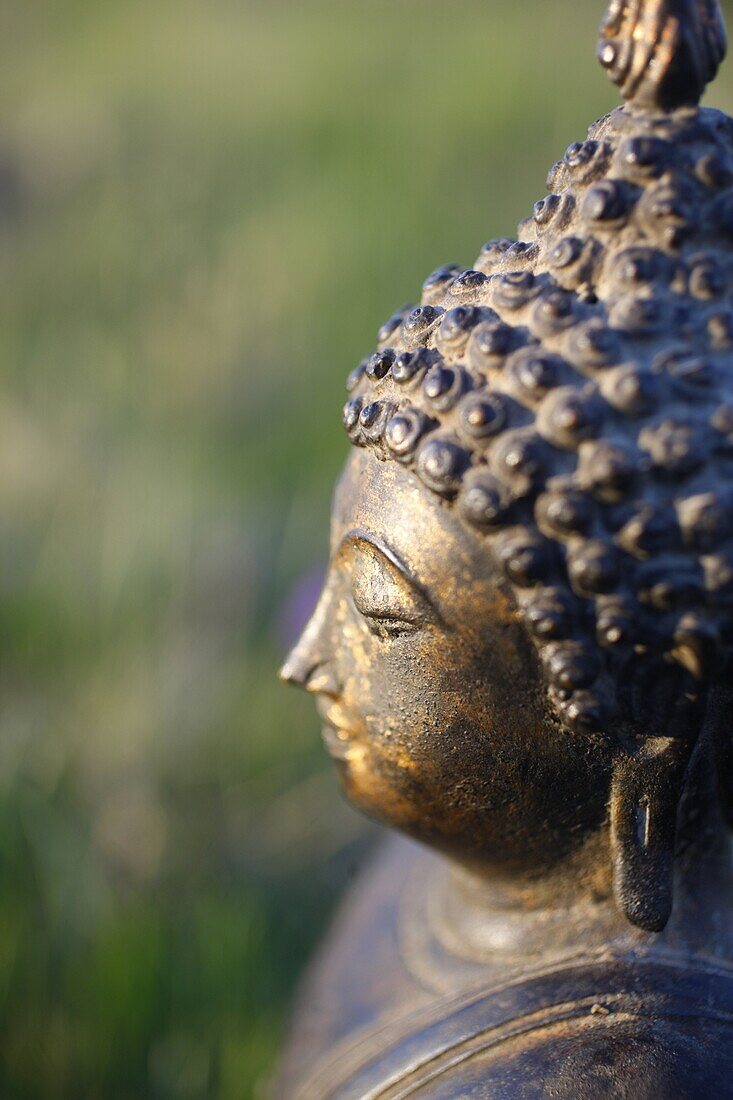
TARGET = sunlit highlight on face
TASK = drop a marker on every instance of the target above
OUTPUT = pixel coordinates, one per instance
(427, 686)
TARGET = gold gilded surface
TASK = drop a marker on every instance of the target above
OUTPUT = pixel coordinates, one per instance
(432, 699)
(522, 653)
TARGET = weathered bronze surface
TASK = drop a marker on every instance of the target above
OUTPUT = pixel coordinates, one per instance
(522, 652)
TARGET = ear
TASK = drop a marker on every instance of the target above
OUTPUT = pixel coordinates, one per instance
(646, 791)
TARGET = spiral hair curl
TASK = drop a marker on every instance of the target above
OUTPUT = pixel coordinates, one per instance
(572, 396)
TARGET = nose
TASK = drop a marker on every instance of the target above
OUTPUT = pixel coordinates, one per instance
(309, 664)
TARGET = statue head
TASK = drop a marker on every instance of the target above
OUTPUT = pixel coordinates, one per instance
(530, 595)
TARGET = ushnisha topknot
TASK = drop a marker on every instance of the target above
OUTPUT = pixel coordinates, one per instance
(571, 394)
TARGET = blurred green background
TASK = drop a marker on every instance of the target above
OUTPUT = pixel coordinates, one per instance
(206, 209)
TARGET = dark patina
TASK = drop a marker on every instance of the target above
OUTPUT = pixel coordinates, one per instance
(522, 653)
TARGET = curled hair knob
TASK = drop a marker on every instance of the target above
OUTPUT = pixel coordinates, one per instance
(662, 54)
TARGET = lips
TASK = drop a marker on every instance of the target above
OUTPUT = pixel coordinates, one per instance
(335, 744)
(338, 733)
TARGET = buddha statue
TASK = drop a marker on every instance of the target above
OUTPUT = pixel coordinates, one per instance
(522, 652)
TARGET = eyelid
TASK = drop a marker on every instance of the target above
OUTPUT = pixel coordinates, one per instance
(387, 615)
(357, 537)
(391, 625)
(387, 598)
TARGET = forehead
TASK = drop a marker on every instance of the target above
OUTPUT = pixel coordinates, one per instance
(388, 503)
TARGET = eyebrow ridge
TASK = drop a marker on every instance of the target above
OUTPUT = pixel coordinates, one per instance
(358, 534)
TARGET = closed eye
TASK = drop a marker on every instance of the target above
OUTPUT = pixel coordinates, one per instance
(387, 626)
(382, 592)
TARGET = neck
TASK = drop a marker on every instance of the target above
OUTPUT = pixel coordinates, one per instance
(491, 926)
(570, 908)
(582, 876)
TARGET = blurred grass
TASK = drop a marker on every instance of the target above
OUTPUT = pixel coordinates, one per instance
(206, 209)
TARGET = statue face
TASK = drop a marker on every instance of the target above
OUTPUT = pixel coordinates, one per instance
(431, 694)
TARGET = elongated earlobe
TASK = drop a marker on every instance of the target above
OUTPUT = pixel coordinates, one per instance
(647, 787)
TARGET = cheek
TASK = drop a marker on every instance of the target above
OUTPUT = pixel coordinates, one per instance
(420, 699)
(428, 753)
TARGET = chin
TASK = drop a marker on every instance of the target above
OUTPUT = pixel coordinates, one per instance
(371, 792)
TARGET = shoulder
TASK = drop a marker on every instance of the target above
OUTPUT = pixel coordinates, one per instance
(631, 1030)
(626, 1052)
(625, 1056)
(616, 1027)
